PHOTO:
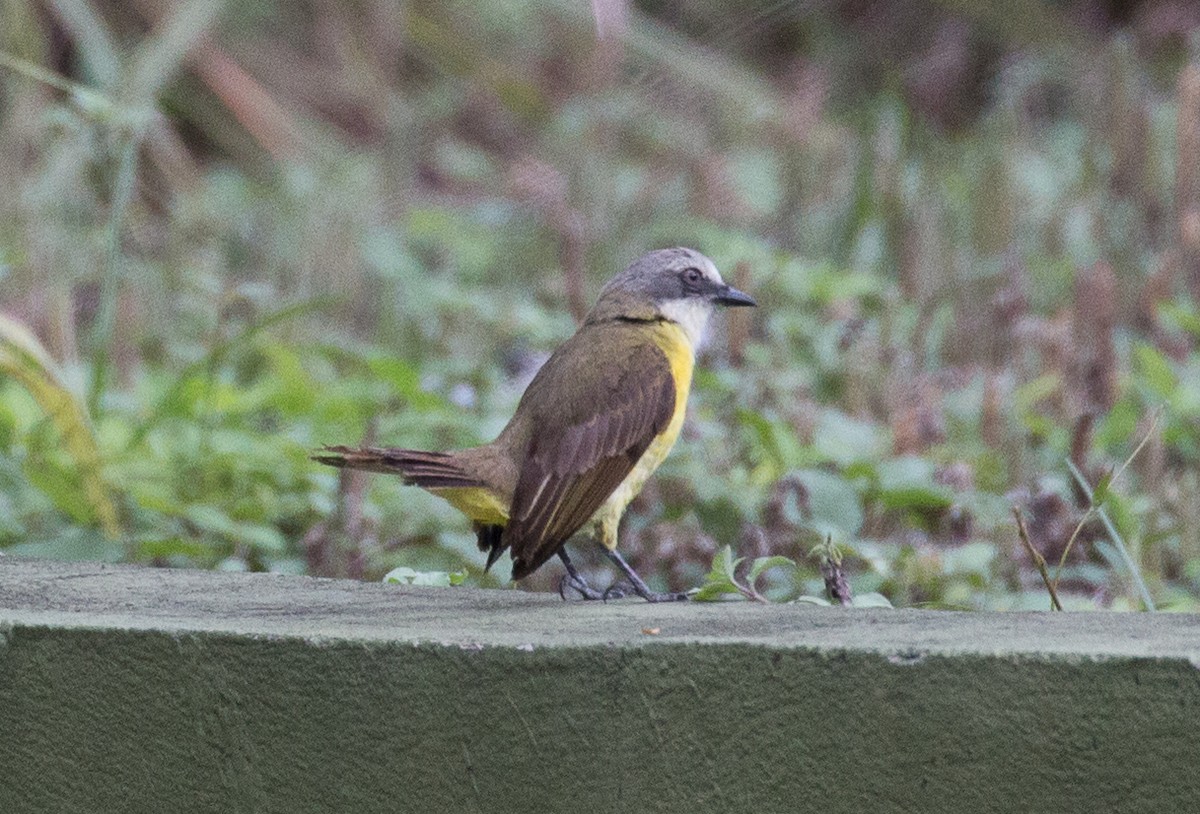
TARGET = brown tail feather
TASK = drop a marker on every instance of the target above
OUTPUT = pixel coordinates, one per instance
(418, 468)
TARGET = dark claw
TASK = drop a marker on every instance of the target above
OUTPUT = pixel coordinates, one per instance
(666, 598)
(575, 580)
(615, 591)
(584, 590)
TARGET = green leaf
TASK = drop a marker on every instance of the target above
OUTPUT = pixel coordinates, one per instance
(1155, 371)
(715, 591)
(724, 564)
(1028, 395)
(721, 516)
(907, 483)
(405, 379)
(77, 543)
(1119, 424)
(845, 440)
(813, 600)
(720, 581)
(763, 564)
(190, 384)
(431, 579)
(969, 559)
(260, 536)
(834, 501)
(61, 486)
(839, 284)
(774, 440)
(1181, 316)
(163, 548)
(210, 519)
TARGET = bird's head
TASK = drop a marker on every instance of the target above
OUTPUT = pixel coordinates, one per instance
(679, 285)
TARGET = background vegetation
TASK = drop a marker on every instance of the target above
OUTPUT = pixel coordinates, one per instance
(232, 232)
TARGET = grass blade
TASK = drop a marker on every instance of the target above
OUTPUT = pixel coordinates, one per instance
(91, 35)
(160, 56)
(1115, 537)
(23, 358)
(216, 355)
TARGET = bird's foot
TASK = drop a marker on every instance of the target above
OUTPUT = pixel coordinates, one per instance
(637, 585)
(618, 590)
(574, 581)
(580, 586)
(654, 596)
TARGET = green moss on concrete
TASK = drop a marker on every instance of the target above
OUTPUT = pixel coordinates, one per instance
(498, 701)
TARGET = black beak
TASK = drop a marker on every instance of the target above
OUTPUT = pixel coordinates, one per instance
(729, 296)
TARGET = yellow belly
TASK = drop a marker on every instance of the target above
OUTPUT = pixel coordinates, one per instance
(673, 342)
(480, 504)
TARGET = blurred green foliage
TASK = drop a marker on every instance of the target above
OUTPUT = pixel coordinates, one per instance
(242, 231)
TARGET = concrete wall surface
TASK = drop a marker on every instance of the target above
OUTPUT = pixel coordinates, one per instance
(137, 690)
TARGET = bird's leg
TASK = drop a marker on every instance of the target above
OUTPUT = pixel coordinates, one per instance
(575, 580)
(639, 587)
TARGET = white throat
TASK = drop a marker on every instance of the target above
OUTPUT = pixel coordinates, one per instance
(691, 314)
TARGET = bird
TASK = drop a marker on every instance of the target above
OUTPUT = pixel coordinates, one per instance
(594, 423)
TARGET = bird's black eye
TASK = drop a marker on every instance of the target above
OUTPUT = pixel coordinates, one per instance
(692, 275)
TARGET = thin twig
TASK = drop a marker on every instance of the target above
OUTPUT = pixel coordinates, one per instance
(1038, 559)
(1145, 439)
(1098, 510)
(1083, 521)
(1083, 485)
(750, 591)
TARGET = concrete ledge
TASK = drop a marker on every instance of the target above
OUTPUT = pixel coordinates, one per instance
(126, 689)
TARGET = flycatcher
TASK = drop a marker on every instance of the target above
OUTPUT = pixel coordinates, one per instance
(595, 422)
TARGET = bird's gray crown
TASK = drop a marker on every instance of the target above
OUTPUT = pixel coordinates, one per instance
(663, 275)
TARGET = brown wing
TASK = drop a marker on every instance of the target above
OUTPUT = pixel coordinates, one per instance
(585, 447)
